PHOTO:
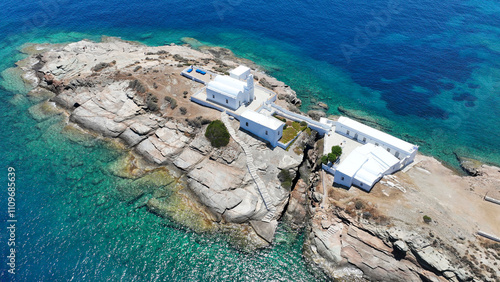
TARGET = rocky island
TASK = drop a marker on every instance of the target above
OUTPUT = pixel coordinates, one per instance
(418, 224)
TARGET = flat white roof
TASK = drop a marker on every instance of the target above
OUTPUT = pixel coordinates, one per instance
(239, 70)
(269, 122)
(377, 134)
(367, 163)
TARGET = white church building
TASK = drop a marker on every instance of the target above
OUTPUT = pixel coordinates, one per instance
(265, 127)
(402, 150)
(365, 166)
(381, 154)
(234, 90)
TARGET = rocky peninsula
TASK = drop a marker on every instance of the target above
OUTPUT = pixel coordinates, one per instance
(416, 225)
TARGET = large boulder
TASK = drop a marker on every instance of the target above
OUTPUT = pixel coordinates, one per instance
(217, 176)
(289, 161)
(131, 138)
(244, 210)
(96, 121)
(150, 152)
(265, 230)
(296, 211)
(201, 144)
(187, 159)
(316, 115)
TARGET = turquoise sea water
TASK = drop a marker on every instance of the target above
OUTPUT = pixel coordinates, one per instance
(428, 71)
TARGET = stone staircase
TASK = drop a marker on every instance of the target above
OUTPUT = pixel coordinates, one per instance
(329, 233)
(261, 187)
(332, 230)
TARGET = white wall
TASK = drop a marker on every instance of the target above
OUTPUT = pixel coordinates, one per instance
(347, 181)
(260, 130)
(250, 89)
(242, 76)
(361, 138)
(365, 186)
(226, 101)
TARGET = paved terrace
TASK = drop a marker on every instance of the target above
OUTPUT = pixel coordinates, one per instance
(347, 144)
(198, 77)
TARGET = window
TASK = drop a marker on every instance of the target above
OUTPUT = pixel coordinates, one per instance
(360, 184)
(227, 101)
(342, 178)
(364, 139)
(388, 150)
(348, 132)
(397, 154)
(213, 96)
(266, 132)
(246, 123)
(376, 144)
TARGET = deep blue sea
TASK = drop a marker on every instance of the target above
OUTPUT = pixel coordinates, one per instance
(428, 71)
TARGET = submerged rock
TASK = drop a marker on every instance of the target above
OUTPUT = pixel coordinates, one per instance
(265, 230)
(471, 166)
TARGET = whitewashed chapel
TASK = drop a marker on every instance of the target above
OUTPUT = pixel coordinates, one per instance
(234, 90)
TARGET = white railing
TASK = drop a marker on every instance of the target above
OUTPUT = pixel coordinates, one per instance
(297, 117)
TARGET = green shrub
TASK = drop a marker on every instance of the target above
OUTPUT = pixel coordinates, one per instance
(285, 178)
(324, 159)
(358, 205)
(296, 125)
(152, 102)
(183, 110)
(178, 57)
(337, 150)
(303, 123)
(198, 122)
(217, 134)
(280, 118)
(137, 86)
(100, 66)
(427, 219)
(332, 157)
(288, 134)
(171, 101)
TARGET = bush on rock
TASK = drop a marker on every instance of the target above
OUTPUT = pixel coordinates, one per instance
(217, 134)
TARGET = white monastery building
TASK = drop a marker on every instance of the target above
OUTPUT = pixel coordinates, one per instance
(402, 150)
(380, 155)
(234, 90)
(265, 127)
(365, 166)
